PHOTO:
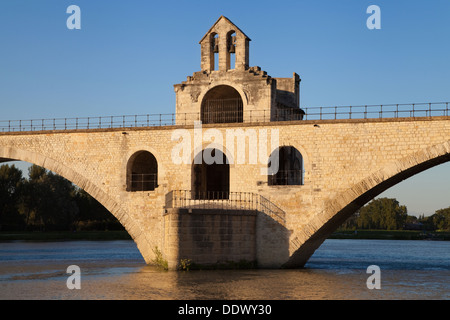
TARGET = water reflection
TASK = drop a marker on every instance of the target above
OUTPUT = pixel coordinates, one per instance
(151, 283)
(115, 270)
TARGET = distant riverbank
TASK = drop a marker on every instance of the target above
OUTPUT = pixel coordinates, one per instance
(391, 235)
(123, 235)
(64, 235)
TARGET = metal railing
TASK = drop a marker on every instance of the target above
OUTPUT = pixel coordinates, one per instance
(143, 181)
(223, 200)
(413, 110)
(83, 123)
(286, 177)
(211, 200)
(222, 111)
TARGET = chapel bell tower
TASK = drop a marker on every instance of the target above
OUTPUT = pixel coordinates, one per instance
(228, 90)
(224, 47)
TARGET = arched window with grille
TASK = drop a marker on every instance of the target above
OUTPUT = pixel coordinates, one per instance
(290, 167)
(142, 172)
(222, 104)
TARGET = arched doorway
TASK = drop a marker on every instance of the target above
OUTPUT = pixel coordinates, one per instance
(210, 175)
(222, 104)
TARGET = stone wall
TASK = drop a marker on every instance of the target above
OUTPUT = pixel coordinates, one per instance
(210, 237)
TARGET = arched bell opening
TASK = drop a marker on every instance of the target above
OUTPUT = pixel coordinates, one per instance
(214, 58)
(231, 50)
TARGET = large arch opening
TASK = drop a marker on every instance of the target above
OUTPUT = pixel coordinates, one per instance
(142, 172)
(210, 175)
(34, 199)
(77, 178)
(132, 227)
(336, 211)
(222, 104)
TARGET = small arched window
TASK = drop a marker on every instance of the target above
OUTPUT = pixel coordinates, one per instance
(290, 167)
(142, 172)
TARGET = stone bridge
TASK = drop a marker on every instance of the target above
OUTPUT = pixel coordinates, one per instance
(136, 172)
(262, 180)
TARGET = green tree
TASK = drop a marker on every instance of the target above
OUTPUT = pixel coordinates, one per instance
(32, 196)
(382, 213)
(441, 219)
(61, 208)
(93, 215)
(11, 181)
(46, 201)
(49, 202)
(351, 223)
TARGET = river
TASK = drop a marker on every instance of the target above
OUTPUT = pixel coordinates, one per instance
(116, 270)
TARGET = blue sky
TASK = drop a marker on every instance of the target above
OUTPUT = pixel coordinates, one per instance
(128, 54)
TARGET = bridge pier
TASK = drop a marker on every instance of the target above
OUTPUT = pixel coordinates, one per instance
(209, 237)
(223, 238)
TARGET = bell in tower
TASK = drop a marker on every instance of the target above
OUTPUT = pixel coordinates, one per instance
(214, 44)
(231, 42)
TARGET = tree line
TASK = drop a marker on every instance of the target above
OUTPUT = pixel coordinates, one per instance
(45, 201)
(388, 214)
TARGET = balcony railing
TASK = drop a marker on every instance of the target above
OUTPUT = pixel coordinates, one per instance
(414, 110)
(222, 111)
(188, 199)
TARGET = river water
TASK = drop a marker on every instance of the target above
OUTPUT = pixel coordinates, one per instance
(116, 270)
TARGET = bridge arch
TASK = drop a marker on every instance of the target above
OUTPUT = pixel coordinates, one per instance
(343, 205)
(133, 228)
